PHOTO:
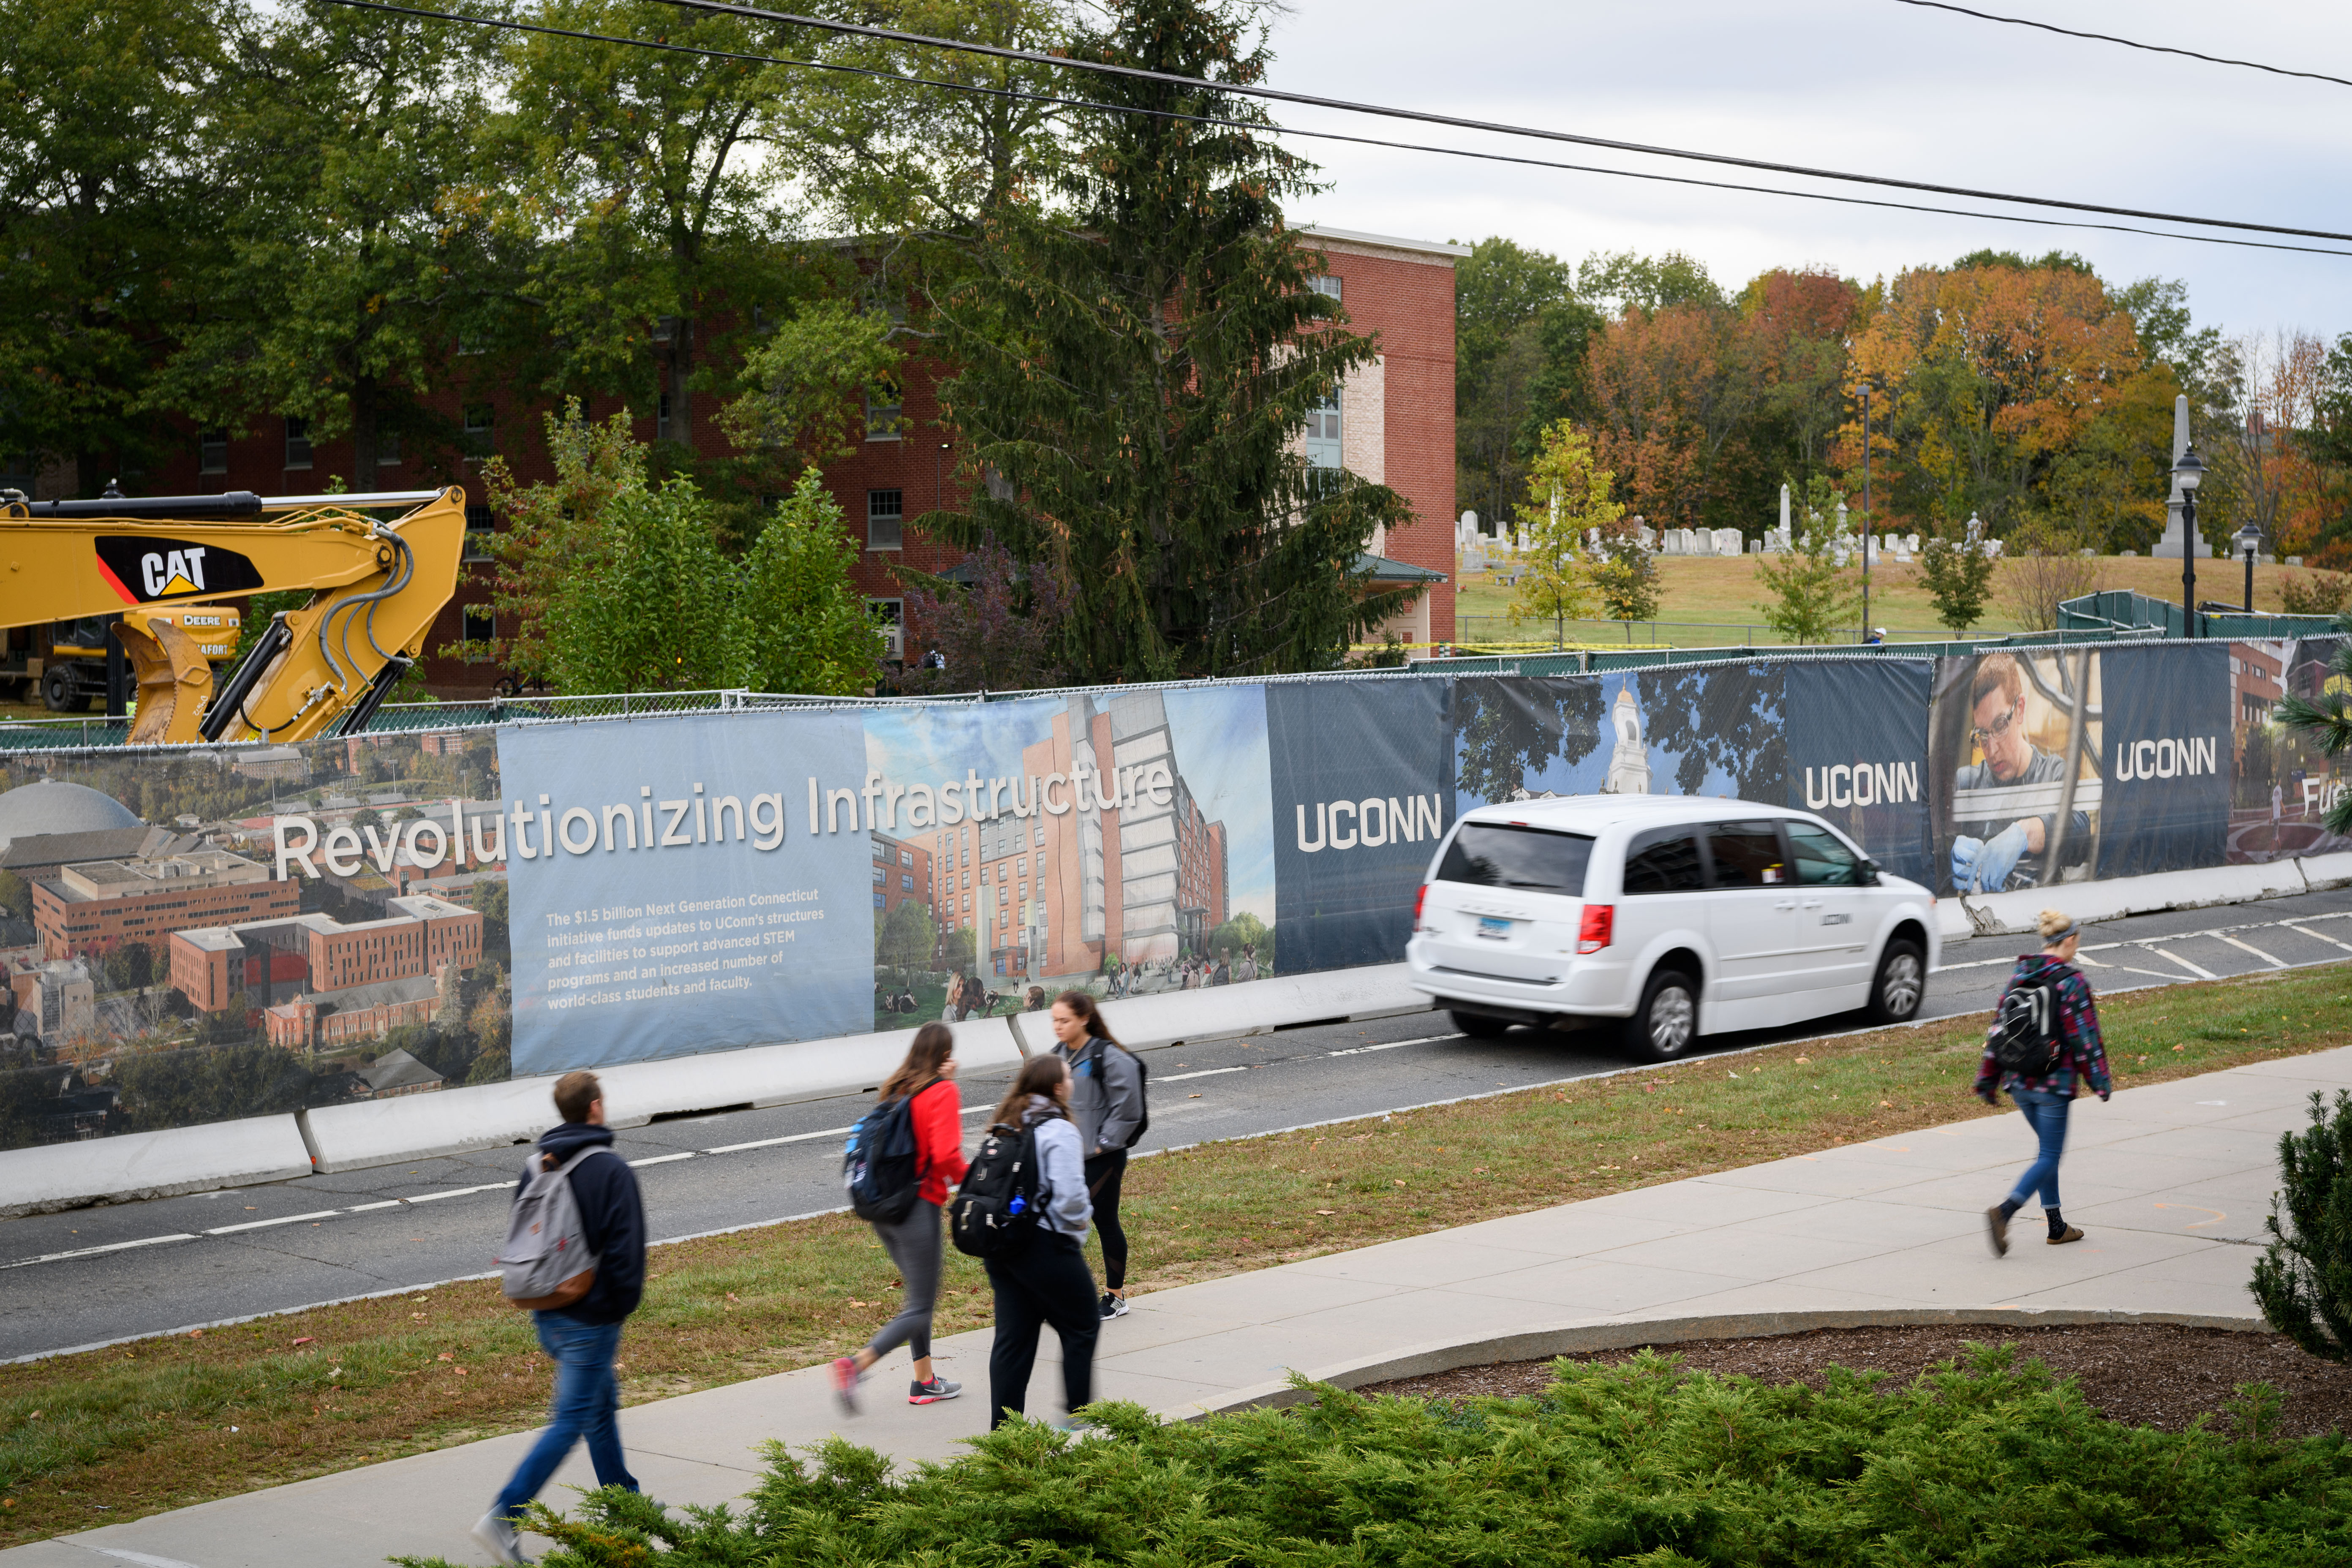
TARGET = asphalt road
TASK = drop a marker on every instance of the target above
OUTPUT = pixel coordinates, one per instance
(94, 1275)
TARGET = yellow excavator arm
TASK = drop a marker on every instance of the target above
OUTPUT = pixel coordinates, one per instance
(378, 569)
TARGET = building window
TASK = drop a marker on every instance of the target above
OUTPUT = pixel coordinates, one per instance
(665, 328)
(886, 516)
(661, 418)
(889, 617)
(480, 627)
(212, 451)
(880, 900)
(883, 401)
(906, 882)
(297, 442)
(480, 431)
(1323, 432)
(878, 875)
(387, 448)
(1326, 285)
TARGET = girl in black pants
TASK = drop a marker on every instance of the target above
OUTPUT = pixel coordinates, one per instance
(1046, 1281)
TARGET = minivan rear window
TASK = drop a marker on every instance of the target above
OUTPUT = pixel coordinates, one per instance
(1503, 855)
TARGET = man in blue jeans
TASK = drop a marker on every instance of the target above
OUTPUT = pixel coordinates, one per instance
(582, 1339)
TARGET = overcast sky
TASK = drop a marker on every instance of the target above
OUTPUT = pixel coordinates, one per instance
(1869, 86)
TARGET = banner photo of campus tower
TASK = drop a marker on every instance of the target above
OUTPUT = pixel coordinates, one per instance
(161, 972)
(199, 934)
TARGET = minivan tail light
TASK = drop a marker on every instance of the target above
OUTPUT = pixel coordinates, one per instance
(1600, 921)
(1418, 899)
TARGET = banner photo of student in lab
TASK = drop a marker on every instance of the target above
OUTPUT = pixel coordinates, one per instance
(2014, 758)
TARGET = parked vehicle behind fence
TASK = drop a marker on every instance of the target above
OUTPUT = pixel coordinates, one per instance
(1671, 916)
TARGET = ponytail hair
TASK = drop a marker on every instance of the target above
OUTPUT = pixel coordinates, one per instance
(1041, 1074)
(1083, 1008)
(934, 1043)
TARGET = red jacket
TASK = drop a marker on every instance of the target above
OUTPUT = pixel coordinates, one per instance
(938, 1139)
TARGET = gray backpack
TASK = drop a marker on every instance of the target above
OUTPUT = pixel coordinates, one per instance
(545, 1265)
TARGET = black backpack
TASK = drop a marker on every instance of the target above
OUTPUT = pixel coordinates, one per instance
(997, 1210)
(2025, 1038)
(878, 1167)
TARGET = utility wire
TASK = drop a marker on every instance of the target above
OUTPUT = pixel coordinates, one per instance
(2128, 43)
(1036, 57)
(1323, 135)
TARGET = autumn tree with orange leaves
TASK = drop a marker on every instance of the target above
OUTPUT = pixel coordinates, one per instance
(2014, 392)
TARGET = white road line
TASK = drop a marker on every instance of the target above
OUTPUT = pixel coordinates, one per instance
(1392, 1045)
(2316, 936)
(369, 1208)
(2176, 958)
(1206, 1072)
(262, 1223)
(2257, 951)
(662, 1159)
(460, 1193)
(94, 1251)
(788, 1138)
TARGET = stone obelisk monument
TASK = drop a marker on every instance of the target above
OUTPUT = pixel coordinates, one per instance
(2169, 547)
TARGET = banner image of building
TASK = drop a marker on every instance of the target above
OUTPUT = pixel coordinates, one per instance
(206, 940)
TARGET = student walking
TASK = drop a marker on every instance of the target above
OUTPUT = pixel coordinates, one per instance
(582, 1337)
(2038, 1047)
(1044, 1280)
(1106, 1102)
(926, 1080)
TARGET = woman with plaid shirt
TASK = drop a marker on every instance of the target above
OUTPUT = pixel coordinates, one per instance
(2045, 1099)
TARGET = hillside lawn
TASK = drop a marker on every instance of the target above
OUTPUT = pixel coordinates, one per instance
(1725, 591)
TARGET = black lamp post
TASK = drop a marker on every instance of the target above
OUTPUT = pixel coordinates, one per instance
(2188, 473)
(1863, 392)
(2250, 541)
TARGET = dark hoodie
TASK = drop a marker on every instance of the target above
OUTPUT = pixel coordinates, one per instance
(611, 1215)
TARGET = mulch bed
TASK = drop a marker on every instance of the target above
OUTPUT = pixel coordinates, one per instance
(2144, 1374)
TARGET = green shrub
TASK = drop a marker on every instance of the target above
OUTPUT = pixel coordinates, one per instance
(2303, 1280)
(1640, 1466)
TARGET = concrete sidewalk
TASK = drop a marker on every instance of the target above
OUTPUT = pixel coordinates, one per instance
(2172, 1182)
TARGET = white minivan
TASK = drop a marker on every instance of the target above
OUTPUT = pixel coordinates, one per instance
(1679, 916)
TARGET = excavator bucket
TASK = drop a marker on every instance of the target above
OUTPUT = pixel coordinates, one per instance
(175, 681)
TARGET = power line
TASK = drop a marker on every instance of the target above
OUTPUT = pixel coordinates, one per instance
(1277, 95)
(1322, 135)
(2128, 43)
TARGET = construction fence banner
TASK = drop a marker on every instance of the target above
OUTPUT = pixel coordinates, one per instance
(217, 933)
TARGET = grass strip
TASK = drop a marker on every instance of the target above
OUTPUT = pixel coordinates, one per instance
(116, 1434)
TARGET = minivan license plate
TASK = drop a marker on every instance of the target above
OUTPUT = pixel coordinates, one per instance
(1493, 928)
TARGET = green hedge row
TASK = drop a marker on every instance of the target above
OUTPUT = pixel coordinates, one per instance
(1990, 1464)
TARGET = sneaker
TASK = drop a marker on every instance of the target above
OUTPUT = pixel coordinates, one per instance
(1998, 1223)
(1113, 1306)
(2072, 1233)
(846, 1379)
(497, 1532)
(931, 1392)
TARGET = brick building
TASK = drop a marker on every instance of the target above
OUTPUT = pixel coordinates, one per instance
(902, 873)
(1052, 893)
(1392, 423)
(226, 965)
(322, 1020)
(96, 905)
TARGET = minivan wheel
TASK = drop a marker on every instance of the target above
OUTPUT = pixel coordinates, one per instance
(1664, 1026)
(1479, 1027)
(1901, 985)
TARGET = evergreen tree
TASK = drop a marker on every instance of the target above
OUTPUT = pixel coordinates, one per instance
(1138, 364)
(1812, 592)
